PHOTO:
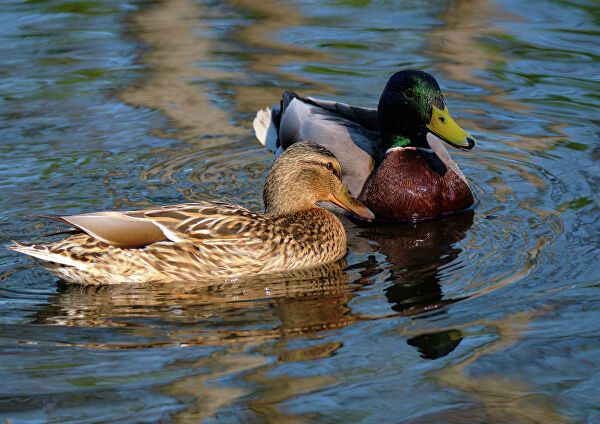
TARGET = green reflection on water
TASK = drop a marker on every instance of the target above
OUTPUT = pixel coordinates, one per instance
(345, 348)
(328, 71)
(90, 8)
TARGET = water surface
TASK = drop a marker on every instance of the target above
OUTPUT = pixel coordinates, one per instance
(488, 316)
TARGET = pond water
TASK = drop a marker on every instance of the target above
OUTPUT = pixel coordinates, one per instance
(489, 316)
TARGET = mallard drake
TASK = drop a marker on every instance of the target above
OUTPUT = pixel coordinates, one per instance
(212, 239)
(389, 157)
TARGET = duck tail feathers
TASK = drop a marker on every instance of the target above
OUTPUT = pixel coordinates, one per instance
(42, 254)
(266, 129)
(287, 97)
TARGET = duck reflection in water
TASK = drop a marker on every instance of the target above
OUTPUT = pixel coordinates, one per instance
(256, 308)
(417, 253)
(275, 307)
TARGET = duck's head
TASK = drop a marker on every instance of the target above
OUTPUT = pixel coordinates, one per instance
(304, 174)
(411, 105)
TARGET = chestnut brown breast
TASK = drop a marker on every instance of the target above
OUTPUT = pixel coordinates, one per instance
(414, 184)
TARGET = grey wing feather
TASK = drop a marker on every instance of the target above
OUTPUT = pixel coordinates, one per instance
(364, 116)
(356, 147)
(117, 228)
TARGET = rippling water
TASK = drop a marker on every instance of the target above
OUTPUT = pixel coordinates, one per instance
(489, 316)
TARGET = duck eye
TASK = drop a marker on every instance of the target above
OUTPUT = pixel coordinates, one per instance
(410, 93)
(329, 165)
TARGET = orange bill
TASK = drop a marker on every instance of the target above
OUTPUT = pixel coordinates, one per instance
(344, 200)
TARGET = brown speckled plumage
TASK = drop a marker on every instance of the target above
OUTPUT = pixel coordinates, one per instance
(211, 239)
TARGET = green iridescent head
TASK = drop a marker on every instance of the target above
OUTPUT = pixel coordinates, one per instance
(411, 105)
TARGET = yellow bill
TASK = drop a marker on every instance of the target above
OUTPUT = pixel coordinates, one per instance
(443, 126)
(345, 201)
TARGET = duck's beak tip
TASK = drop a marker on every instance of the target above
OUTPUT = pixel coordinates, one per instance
(344, 200)
(443, 126)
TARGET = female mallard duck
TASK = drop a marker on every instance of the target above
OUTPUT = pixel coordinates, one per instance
(212, 239)
(388, 158)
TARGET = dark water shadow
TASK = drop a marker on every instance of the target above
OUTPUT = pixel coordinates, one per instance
(416, 255)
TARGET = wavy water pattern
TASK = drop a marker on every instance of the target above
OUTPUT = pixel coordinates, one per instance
(490, 315)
